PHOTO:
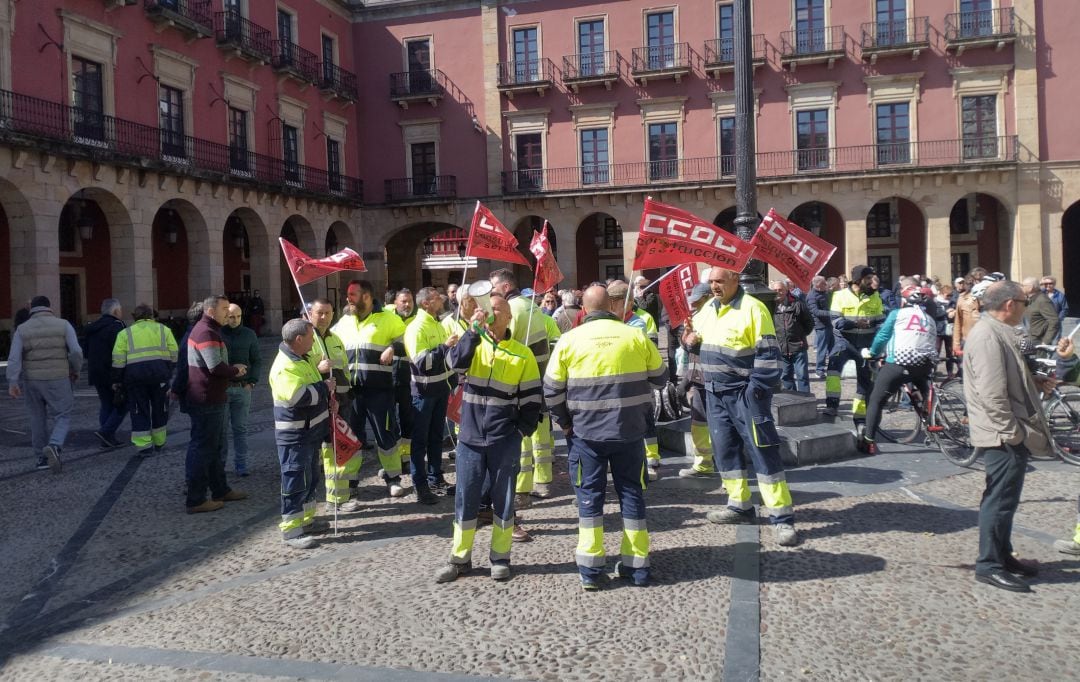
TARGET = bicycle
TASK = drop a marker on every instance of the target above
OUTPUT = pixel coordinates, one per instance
(941, 416)
(1061, 410)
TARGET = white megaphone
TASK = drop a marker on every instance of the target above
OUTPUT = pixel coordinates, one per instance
(481, 293)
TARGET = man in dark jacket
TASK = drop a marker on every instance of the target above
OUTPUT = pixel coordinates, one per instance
(817, 302)
(1043, 323)
(100, 337)
(243, 347)
(793, 324)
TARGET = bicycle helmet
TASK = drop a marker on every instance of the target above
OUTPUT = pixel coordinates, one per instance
(980, 288)
(916, 296)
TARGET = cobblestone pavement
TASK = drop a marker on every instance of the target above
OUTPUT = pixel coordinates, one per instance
(107, 578)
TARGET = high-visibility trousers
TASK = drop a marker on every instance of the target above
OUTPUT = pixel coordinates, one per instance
(149, 406)
(338, 478)
(537, 455)
(378, 409)
(699, 431)
(844, 350)
(298, 485)
(498, 464)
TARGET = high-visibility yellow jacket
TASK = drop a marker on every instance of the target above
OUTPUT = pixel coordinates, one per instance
(425, 345)
(738, 344)
(501, 395)
(651, 330)
(522, 309)
(847, 308)
(301, 399)
(365, 340)
(145, 352)
(339, 360)
(600, 377)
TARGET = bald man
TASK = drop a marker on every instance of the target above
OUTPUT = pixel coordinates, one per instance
(243, 348)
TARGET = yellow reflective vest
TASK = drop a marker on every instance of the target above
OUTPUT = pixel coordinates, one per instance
(301, 399)
(145, 352)
(425, 341)
(522, 309)
(339, 359)
(738, 344)
(847, 308)
(365, 340)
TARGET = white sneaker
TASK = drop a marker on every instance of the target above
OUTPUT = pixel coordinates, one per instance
(653, 472)
(697, 473)
(346, 507)
(541, 490)
(396, 490)
(301, 542)
(785, 535)
(727, 515)
(500, 572)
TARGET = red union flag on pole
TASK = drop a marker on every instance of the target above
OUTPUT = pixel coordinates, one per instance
(672, 236)
(792, 250)
(548, 273)
(306, 269)
(453, 407)
(488, 238)
(674, 290)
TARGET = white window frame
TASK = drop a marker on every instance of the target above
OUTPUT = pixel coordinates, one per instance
(646, 12)
(828, 13)
(96, 42)
(327, 33)
(240, 94)
(430, 38)
(898, 88)
(293, 112)
(539, 39)
(809, 97)
(592, 117)
(294, 21)
(419, 131)
(723, 106)
(607, 37)
(664, 110)
(527, 122)
(982, 80)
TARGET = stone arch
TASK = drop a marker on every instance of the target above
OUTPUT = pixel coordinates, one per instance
(1070, 251)
(599, 241)
(980, 232)
(16, 225)
(429, 253)
(896, 236)
(95, 239)
(824, 220)
(181, 256)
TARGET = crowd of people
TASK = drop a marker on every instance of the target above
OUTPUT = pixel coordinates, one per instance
(584, 361)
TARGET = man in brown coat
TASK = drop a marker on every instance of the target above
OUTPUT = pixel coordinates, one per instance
(1006, 420)
(967, 310)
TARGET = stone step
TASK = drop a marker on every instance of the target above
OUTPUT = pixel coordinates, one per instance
(799, 445)
(794, 409)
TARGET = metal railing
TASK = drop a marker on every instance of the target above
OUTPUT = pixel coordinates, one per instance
(95, 135)
(232, 28)
(429, 187)
(789, 163)
(882, 35)
(417, 83)
(590, 65)
(336, 79)
(989, 23)
(526, 72)
(194, 11)
(288, 56)
(721, 51)
(810, 41)
(661, 57)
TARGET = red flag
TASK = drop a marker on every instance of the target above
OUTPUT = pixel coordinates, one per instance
(488, 238)
(306, 269)
(673, 293)
(672, 236)
(453, 408)
(345, 441)
(548, 273)
(792, 250)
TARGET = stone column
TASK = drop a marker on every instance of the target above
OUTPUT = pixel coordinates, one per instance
(1032, 249)
(35, 253)
(491, 113)
(938, 241)
(854, 242)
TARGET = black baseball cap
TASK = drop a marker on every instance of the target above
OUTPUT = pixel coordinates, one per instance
(860, 271)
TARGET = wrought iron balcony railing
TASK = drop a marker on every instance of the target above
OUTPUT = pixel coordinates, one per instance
(526, 72)
(339, 81)
(888, 35)
(587, 65)
(982, 24)
(291, 58)
(671, 57)
(193, 15)
(791, 163)
(807, 42)
(233, 29)
(721, 51)
(431, 187)
(419, 84)
(81, 132)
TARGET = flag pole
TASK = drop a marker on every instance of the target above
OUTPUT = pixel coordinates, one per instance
(465, 270)
(661, 278)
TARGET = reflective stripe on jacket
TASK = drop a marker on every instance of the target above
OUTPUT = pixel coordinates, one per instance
(425, 344)
(365, 340)
(501, 395)
(522, 309)
(339, 361)
(145, 352)
(847, 308)
(600, 377)
(738, 344)
(301, 398)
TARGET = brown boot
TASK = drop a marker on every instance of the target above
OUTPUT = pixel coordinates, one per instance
(208, 506)
(232, 496)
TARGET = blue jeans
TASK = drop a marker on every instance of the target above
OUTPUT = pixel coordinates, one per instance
(429, 415)
(42, 397)
(823, 345)
(205, 466)
(109, 416)
(239, 408)
(796, 374)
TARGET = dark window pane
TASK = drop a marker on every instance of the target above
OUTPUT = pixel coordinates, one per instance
(424, 180)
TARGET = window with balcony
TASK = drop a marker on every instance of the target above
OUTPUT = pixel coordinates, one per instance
(418, 58)
(890, 23)
(893, 133)
(290, 145)
(424, 171)
(171, 114)
(810, 32)
(663, 151)
(238, 140)
(727, 145)
(88, 99)
(812, 139)
(591, 48)
(594, 156)
(328, 60)
(285, 36)
(978, 126)
(660, 40)
(529, 160)
(725, 33)
(526, 54)
(333, 164)
(976, 18)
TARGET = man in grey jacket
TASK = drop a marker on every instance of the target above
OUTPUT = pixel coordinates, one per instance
(1043, 323)
(45, 359)
(1006, 420)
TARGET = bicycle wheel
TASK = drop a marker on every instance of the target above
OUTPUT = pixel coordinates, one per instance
(1063, 418)
(949, 429)
(899, 421)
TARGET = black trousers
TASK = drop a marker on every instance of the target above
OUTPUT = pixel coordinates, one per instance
(1005, 468)
(889, 379)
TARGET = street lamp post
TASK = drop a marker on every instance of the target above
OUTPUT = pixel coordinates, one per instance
(746, 218)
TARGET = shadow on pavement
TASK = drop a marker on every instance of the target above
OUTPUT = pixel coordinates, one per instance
(880, 517)
(844, 474)
(780, 566)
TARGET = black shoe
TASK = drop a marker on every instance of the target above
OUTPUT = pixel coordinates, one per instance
(1021, 568)
(42, 463)
(442, 489)
(425, 496)
(113, 443)
(106, 442)
(1004, 580)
